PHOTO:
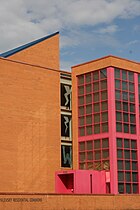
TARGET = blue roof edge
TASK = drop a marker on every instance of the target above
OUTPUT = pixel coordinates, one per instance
(25, 46)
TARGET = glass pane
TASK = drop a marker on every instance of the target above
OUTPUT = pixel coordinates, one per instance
(81, 110)
(131, 96)
(88, 88)
(119, 142)
(89, 155)
(128, 188)
(89, 145)
(134, 166)
(132, 118)
(132, 129)
(105, 165)
(117, 84)
(121, 188)
(133, 144)
(117, 73)
(118, 94)
(89, 109)
(96, 86)
(119, 127)
(127, 177)
(125, 106)
(96, 107)
(126, 154)
(126, 143)
(134, 155)
(125, 96)
(118, 116)
(104, 127)
(97, 155)
(135, 177)
(120, 176)
(89, 130)
(120, 164)
(135, 188)
(119, 153)
(81, 100)
(104, 106)
(81, 121)
(97, 144)
(82, 166)
(81, 90)
(131, 76)
(80, 79)
(82, 156)
(131, 87)
(104, 95)
(126, 128)
(118, 105)
(97, 128)
(105, 143)
(89, 98)
(96, 118)
(82, 131)
(89, 119)
(125, 117)
(82, 146)
(105, 154)
(132, 108)
(104, 84)
(88, 78)
(96, 97)
(90, 166)
(95, 75)
(103, 73)
(127, 165)
(104, 116)
(124, 86)
(124, 75)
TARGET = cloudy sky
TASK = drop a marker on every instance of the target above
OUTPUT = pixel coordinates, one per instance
(89, 29)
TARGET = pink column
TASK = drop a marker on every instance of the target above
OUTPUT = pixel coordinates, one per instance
(137, 123)
(112, 131)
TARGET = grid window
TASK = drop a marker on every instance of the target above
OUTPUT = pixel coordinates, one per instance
(125, 101)
(93, 103)
(94, 154)
(127, 165)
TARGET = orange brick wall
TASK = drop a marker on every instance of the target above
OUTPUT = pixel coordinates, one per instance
(45, 53)
(29, 127)
(69, 202)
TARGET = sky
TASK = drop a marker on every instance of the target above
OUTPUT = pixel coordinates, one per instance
(89, 29)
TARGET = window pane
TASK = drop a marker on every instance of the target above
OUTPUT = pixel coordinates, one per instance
(96, 118)
(104, 84)
(133, 144)
(124, 75)
(88, 88)
(103, 73)
(125, 117)
(80, 79)
(127, 165)
(105, 143)
(96, 75)
(81, 90)
(118, 116)
(97, 144)
(117, 73)
(81, 100)
(89, 145)
(89, 119)
(132, 129)
(81, 131)
(104, 116)
(127, 177)
(125, 106)
(89, 130)
(89, 98)
(126, 128)
(119, 142)
(96, 97)
(118, 105)
(127, 154)
(131, 87)
(81, 110)
(90, 156)
(90, 166)
(81, 121)
(104, 106)
(134, 166)
(105, 154)
(125, 96)
(118, 94)
(82, 156)
(104, 95)
(120, 176)
(104, 127)
(132, 118)
(135, 188)
(96, 86)
(124, 85)
(135, 177)
(96, 107)
(134, 155)
(120, 164)
(97, 128)
(121, 188)
(131, 96)
(89, 109)
(132, 108)
(119, 127)
(82, 146)
(97, 155)
(131, 76)
(117, 84)
(128, 188)
(88, 78)
(126, 143)
(119, 153)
